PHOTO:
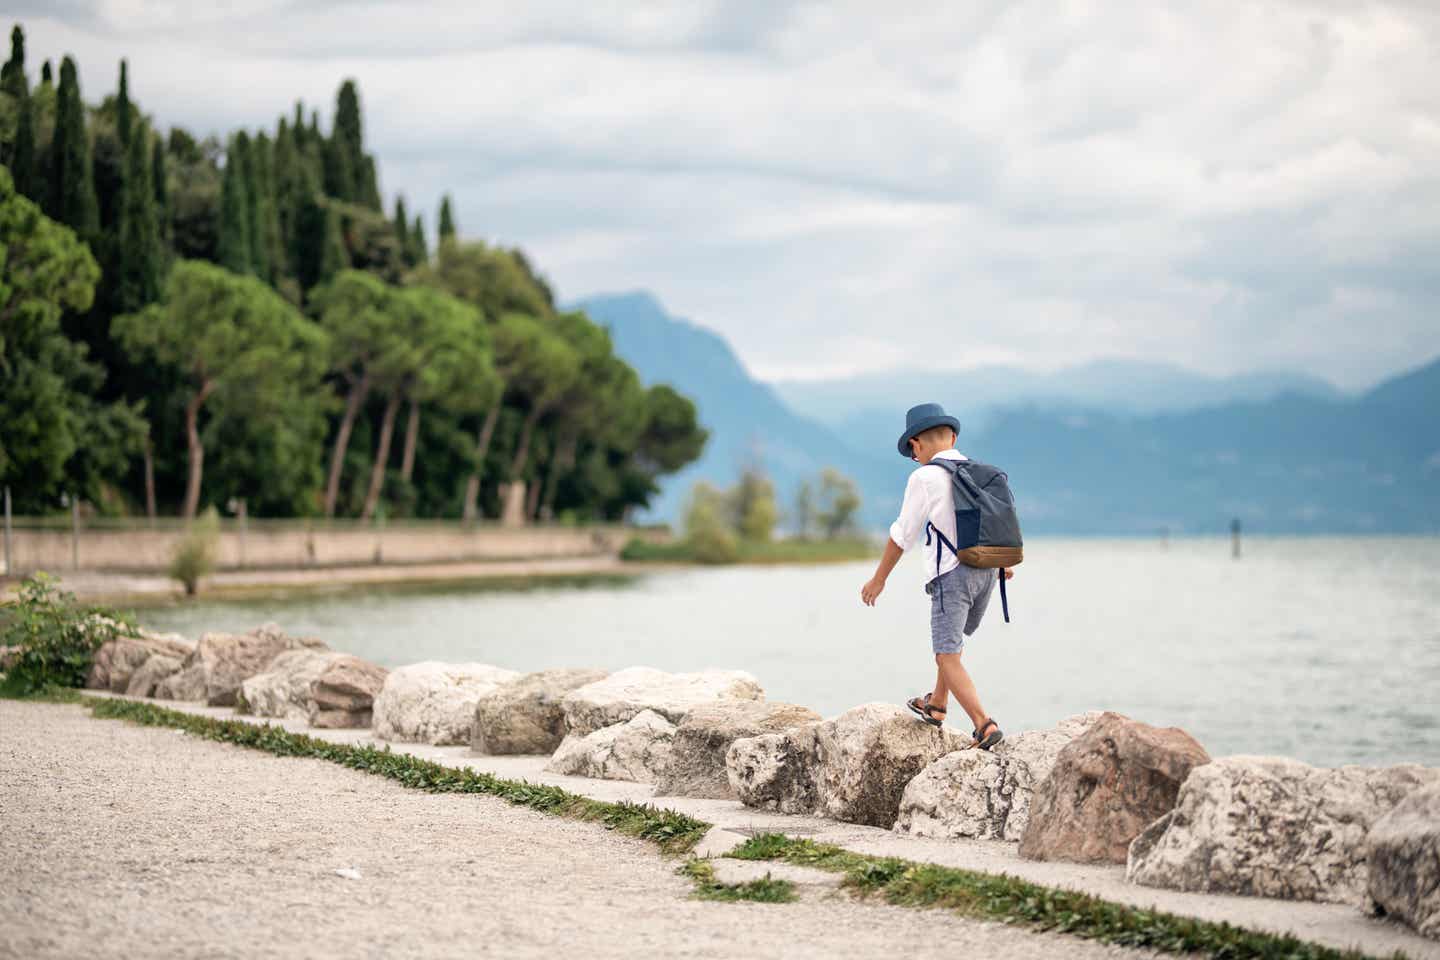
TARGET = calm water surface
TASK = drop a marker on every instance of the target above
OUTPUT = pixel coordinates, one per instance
(1325, 650)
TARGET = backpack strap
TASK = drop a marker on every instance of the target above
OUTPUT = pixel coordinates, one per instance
(1004, 600)
(941, 541)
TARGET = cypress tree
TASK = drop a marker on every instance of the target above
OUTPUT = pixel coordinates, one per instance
(447, 221)
(272, 250)
(418, 249)
(255, 231)
(349, 136)
(71, 189)
(139, 250)
(158, 174)
(333, 257)
(47, 74)
(122, 107)
(369, 187)
(233, 247)
(339, 176)
(22, 157)
(402, 230)
(12, 76)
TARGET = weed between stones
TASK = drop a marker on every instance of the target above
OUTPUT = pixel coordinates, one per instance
(1011, 900)
(764, 890)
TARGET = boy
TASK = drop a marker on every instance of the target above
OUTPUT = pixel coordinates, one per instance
(958, 594)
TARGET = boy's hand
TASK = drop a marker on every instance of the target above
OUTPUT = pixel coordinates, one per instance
(871, 591)
(1009, 573)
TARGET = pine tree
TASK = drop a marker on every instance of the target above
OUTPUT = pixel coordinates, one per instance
(139, 249)
(418, 249)
(122, 107)
(233, 247)
(71, 189)
(447, 221)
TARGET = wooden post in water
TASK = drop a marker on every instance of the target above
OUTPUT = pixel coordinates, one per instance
(9, 566)
(74, 532)
(1235, 538)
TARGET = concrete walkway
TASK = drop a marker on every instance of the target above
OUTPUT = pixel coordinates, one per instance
(94, 586)
(1334, 925)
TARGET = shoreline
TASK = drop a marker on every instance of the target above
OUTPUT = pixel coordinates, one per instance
(1338, 926)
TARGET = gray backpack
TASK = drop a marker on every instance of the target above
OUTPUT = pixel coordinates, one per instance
(987, 528)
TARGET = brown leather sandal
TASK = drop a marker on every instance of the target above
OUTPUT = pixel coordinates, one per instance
(922, 708)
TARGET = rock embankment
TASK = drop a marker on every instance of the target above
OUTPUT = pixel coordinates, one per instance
(1272, 827)
(1096, 787)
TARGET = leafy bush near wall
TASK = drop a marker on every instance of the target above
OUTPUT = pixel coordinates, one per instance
(53, 638)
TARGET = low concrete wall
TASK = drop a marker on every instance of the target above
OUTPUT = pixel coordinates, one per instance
(295, 545)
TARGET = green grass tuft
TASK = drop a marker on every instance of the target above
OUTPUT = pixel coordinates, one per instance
(765, 890)
(672, 832)
(1011, 900)
(12, 687)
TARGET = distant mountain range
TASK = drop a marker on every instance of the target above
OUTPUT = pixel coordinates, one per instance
(1113, 447)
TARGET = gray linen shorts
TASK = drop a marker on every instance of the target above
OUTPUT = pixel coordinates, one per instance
(966, 593)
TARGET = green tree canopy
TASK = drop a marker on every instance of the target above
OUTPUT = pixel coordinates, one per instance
(229, 335)
(54, 435)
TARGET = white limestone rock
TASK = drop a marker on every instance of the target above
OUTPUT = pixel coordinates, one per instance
(433, 702)
(628, 692)
(697, 758)
(525, 716)
(1272, 827)
(1402, 852)
(637, 749)
(985, 795)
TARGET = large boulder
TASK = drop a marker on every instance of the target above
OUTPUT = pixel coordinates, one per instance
(114, 661)
(283, 690)
(985, 795)
(775, 771)
(220, 662)
(321, 687)
(525, 715)
(434, 702)
(1105, 787)
(153, 672)
(1402, 855)
(628, 692)
(637, 749)
(1272, 827)
(852, 768)
(343, 695)
(697, 756)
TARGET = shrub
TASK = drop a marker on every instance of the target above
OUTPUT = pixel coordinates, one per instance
(195, 553)
(707, 531)
(56, 637)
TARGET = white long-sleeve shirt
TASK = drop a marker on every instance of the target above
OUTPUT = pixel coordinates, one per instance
(927, 498)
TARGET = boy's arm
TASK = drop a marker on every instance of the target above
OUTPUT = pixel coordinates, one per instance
(888, 559)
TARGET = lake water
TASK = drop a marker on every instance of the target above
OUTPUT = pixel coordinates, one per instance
(1327, 650)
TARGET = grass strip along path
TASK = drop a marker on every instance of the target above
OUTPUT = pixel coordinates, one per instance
(983, 896)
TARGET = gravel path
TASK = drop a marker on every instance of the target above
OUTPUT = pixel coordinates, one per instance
(123, 841)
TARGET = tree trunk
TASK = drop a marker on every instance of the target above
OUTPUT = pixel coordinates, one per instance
(382, 455)
(358, 390)
(197, 450)
(412, 430)
(482, 449)
(532, 498)
(149, 455)
(522, 448)
(564, 459)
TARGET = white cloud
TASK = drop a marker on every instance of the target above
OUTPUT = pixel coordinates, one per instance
(836, 186)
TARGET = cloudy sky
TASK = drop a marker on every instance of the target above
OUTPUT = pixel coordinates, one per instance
(841, 188)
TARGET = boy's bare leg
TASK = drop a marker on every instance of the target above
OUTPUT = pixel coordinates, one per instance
(953, 676)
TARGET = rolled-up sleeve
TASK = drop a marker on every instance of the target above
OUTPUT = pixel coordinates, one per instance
(905, 531)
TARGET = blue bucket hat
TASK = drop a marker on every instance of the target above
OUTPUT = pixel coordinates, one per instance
(920, 418)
